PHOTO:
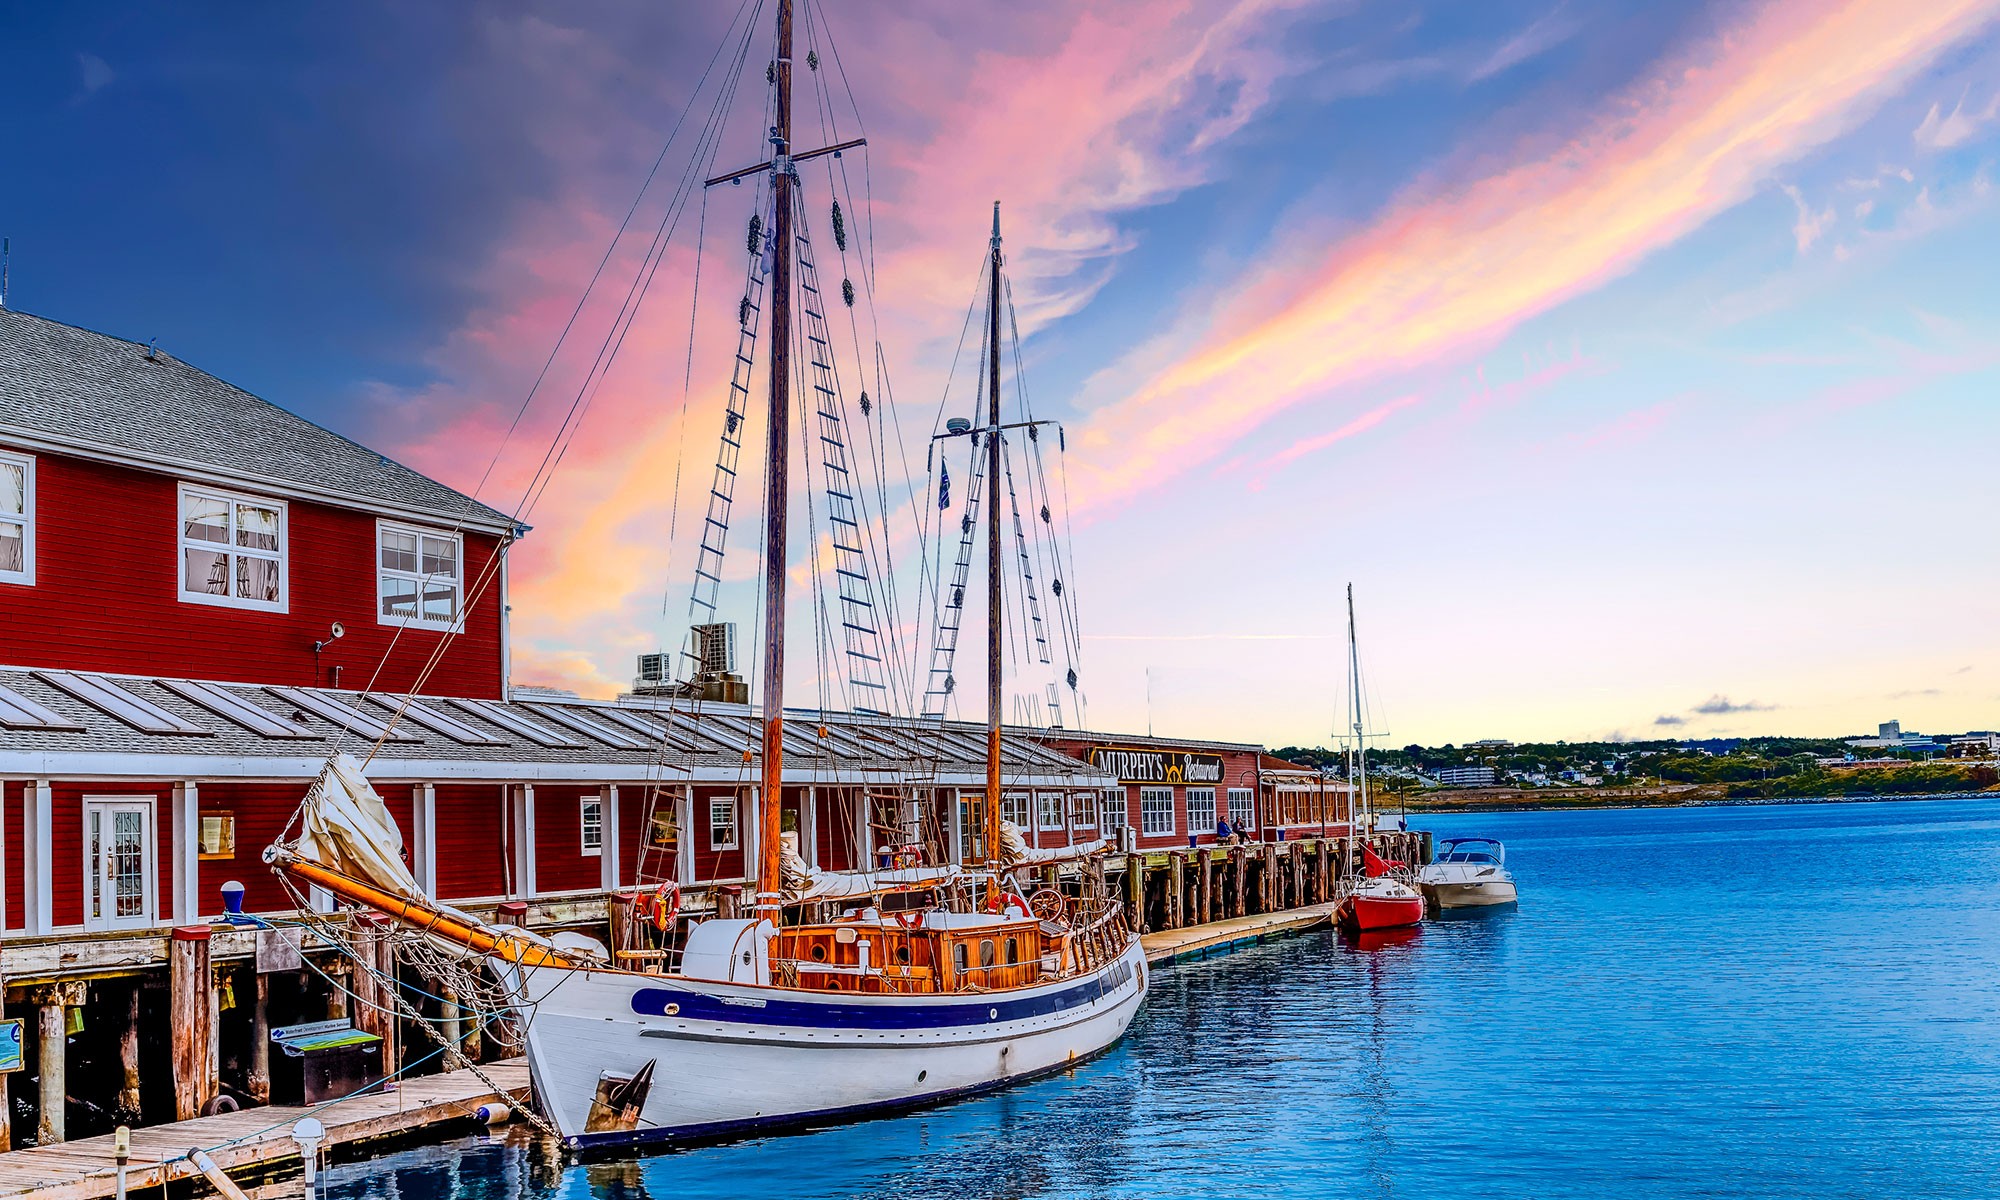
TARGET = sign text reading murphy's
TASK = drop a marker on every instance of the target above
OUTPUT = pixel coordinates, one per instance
(1133, 765)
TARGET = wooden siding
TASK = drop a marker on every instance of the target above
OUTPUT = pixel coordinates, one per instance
(12, 847)
(560, 864)
(471, 859)
(106, 595)
(710, 863)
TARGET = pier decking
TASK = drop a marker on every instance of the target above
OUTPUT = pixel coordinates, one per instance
(255, 1137)
(1200, 941)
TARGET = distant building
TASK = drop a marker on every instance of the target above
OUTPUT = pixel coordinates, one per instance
(1493, 745)
(1889, 735)
(1465, 776)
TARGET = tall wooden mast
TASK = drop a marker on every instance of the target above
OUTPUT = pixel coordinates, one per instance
(994, 612)
(777, 449)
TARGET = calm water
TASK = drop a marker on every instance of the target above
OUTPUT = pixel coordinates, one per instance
(1773, 1001)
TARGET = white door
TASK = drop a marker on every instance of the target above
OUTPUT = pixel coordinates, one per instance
(117, 864)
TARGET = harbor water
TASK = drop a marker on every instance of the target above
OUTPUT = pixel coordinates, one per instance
(1769, 1001)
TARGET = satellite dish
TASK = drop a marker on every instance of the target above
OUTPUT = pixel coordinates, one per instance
(958, 425)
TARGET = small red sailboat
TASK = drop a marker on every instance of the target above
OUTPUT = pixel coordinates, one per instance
(1383, 902)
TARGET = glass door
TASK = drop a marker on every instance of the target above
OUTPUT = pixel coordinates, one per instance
(972, 829)
(118, 864)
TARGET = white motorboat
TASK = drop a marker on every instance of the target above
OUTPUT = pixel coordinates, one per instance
(1468, 873)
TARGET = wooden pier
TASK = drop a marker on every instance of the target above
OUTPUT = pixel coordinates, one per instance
(255, 1138)
(1219, 937)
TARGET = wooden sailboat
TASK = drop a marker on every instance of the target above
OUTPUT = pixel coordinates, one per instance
(768, 1021)
(1382, 901)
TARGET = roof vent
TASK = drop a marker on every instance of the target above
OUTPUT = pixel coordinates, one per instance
(151, 348)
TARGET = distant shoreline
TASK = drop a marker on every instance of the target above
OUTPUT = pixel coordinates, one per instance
(1624, 803)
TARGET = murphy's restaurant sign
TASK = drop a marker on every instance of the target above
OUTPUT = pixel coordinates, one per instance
(1157, 766)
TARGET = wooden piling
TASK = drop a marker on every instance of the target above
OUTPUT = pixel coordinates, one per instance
(191, 989)
(1272, 884)
(127, 1105)
(1237, 858)
(1135, 890)
(1205, 887)
(1176, 890)
(259, 1082)
(1298, 857)
(374, 985)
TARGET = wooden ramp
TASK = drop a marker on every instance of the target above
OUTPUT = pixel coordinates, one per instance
(255, 1137)
(1219, 937)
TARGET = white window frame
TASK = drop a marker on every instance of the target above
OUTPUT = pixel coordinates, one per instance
(1115, 810)
(1198, 826)
(456, 623)
(1249, 817)
(183, 544)
(1044, 801)
(718, 805)
(590, 818)
(149, 870)
(1084, 807)
(26, 575)
(1018, 807)
(1146, 814)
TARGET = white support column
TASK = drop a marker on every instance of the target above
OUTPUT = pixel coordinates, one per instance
(38, 857)
(750, 824)
(613, 844)
(423, 835)
(684, 843)
(955, 836)
(184, 904)
(809, 827)
(524, 840)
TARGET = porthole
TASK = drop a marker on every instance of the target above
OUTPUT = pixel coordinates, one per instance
(673, 1010)
(923, 1075)
(903, 955)
(819, 953)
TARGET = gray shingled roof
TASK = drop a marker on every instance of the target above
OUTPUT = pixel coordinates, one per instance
(707, 741)
(73, 387)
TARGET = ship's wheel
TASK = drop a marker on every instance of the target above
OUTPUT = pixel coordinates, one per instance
(1048, 904)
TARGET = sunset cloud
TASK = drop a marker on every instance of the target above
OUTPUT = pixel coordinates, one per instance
(1436, 276)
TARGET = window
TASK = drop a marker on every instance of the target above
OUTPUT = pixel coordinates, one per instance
(1049, 810)
(1014, 807)
(1085, 809)
(232, 550)
(1114, 809)
(593, 825)
(419, 575)
(722, 822)
(1201, 810)
(218, 835)
(17, 518)
(118, 863)
(1156, 811)
(1242, 808)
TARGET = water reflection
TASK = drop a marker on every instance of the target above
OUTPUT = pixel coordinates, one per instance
(1598, 1042)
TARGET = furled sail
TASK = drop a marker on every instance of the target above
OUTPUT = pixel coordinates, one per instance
(345, 827)
(1015, 851)
(803, 883)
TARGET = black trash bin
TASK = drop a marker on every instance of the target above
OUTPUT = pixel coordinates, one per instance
(324, 1060)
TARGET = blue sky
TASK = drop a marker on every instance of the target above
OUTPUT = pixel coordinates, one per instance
(1631, 360)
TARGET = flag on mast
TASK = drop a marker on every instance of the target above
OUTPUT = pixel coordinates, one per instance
(944, 486)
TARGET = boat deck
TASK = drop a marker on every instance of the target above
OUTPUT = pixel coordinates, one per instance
(253, 1138)
(1220, 937)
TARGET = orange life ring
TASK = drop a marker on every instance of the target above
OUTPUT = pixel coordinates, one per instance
(912, 918)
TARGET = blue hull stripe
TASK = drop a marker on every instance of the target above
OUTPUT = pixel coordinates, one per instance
(836, 1014)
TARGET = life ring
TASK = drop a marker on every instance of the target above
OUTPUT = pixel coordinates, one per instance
(662, 906)
(911, 918)
(1000, 902)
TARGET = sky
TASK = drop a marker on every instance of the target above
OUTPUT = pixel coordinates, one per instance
(1635, 363)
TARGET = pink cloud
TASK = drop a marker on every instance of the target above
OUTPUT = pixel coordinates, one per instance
(1437, 276)
(1313, 445)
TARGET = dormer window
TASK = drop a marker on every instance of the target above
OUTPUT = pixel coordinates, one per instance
(421, 578)
(17, 518)
(232, 549)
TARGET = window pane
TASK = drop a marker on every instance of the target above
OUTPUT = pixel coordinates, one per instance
(399, 597)
(204, 519)
(13, 490)
(440, 558)
(13, 548)
(256, 578)
(207, 572)
(256, 527)
(441, 603)
(399, 551)
(1201, 809)
(128, 852)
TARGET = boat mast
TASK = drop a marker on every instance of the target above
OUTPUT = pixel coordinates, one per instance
(1360, 748)
(993, 596)
(777, 489)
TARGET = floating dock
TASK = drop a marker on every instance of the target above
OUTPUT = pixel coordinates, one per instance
(255, 1138)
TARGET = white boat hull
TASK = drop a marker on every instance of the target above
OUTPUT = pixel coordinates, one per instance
(730, 1058)
(1475, 894)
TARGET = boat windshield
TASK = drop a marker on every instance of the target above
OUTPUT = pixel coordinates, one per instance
(1471, 850)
